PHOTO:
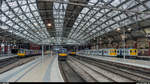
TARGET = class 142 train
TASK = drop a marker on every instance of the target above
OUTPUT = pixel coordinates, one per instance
(110, 52)
(62, 54)
(26, 52)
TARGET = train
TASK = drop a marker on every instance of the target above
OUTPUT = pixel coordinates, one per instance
(129, 52)
(26, 52)
(72, 52)
(62, 54)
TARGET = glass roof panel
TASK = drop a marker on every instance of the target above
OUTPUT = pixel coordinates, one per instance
(22, 18)
(147, 4)
(97, 19)
(22, 2)
(12, 3)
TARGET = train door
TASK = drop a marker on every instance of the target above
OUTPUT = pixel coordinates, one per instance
(102, 52)
(121, 52)
(109, 52)
(106, 52)
(118, 52)
(115, 52)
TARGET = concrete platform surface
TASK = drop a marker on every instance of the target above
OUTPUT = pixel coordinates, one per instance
(39, 70)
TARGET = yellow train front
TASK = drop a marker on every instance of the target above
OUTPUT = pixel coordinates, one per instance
(73, 53)
(129, 52)
(62, 54)
(110, 52)
(21, 52)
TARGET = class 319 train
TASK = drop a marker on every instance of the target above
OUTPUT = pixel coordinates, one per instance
(110, 52)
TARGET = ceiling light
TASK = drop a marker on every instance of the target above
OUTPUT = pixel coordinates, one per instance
(49, 24)
(118, 29)
(129, 29)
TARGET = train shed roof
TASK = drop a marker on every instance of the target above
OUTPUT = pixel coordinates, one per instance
(73, 21)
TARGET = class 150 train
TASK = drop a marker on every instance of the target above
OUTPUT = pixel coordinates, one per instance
(72, 52)
(110, 52)
(62, 54)
(26, 52)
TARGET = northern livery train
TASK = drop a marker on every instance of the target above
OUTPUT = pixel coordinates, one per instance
(72, 52)
(26, 52)
(62, 54)
(130, 52)
(127, 52)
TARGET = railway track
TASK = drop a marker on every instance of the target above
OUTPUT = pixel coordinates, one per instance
(6, 62)
(135, 58)
(10, 63)
(111, 73)
(68, 73)
(99, 74)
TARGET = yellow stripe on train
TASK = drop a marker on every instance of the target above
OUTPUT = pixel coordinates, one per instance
(73, 53)
(21, 54)
(62, 54)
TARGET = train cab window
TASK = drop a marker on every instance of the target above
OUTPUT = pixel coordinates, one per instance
(130, 51)
(21, 51)
(135, 51)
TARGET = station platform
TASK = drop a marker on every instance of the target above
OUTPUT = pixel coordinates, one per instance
(132, 62)
(5, 56)
(144, 57)
(42, 69)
